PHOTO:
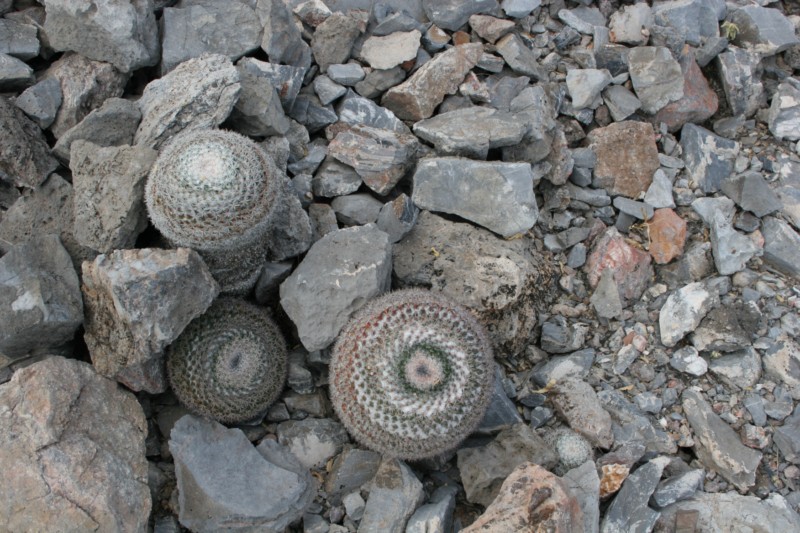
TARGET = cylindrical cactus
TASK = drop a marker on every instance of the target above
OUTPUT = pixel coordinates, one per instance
(230, 363)
(215, 191)
(411, 374)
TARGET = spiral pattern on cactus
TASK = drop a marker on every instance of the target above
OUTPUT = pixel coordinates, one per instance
(212, 189)
(230, 363)
(411, 374)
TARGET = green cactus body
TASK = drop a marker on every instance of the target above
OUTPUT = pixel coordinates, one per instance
(411, 374)
(230, 363)
(215, 191)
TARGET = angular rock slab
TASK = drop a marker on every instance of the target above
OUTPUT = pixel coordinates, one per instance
(656, 77)
(717, 445)
(137, 303)
(576, 401)
(72, 451)
(198, 93)
(698, 103)
(531, 499)
(226, 483)
(476, 190)
(394, 495)
(25, 158)
(631, 266)
(781, 246)
(740, 75)
(112, 124)
(708, 157)
(40, 301)
(417, 97)
(392, 50)
(108, 194)
(764, 30)
(339, 274)
(627, 157)
(684, 310)
(784, 112)
(505, 284)
(629, 510)
(121, 33)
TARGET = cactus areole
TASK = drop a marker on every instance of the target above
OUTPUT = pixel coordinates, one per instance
(412, 374)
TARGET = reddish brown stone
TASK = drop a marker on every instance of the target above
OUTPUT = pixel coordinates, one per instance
(531, 500)
(667, 233)
(611, 478)
(490, 29)
(460, 37)
(627, 157)
(699, 100)
(631, 266)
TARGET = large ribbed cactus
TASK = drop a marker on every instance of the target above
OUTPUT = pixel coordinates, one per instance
(215, 191)
(411, 374)
(229, 363)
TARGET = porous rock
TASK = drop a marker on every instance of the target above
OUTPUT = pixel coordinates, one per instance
(577, 402)
(627, 157)
(25, 158)
(112, 124)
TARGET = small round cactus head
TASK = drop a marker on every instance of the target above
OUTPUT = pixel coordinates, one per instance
(572, 449)
(412, 374)
(229, 363)
(211, 189)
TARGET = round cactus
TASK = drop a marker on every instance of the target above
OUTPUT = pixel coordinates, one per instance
(411, 374)
(229, 363)
(215, 191)
(572, 449)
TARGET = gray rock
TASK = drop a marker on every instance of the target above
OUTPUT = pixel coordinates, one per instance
(576, 401)
(731, 249)
(390, 21)
(397, 218)
(380, 156)
(25, 158)
(112, 124)
(328, 90)
(417, 97)
(309, 111)
(751, 193)
(755, 406)
(258, 112)
(688, 360)
(659, 194)
(347, 74)
(532, 107)
(555, 369)
(390, 51)
(221, 475)
(519, 8)
(483, 469)
(584, 483)
(317, 151)
(781, 407)
(198, 93)
(18, 39)
(282, 39)
(787, 437)
(136, 305)
(452, 14)
(708, 158)
(500, 280)
(294, 235)
(710, 207)
(40, 303)
(725, 512)
(740, 75)
(108, 194)
(741, 369)
(582, 19)
(781, 362)
(621, 102)
(377, 81)
(577, 256)
(502, 412)
(639, 210)
(632, 427)
(630, 24)
(272, 275)
(683, 311)
(717, 445)
(355, 109)
(656, 76)
(584, 86)
(356, 209)
(333, 40)
(677, 488)
(784, 113)
(286, 79)
(764, 30)
(629, 511)
(350, 470)
(335, 179)
(76, 440)
(695, 19)
(437, 515)
(470, 131)
(312, 441)
(41, 101)
(648, 402)
(340, 272)
(520, 58)
(781, 246)
(354, 505)
(605, 299)
(727, 328)
(124, 35)
(394, 495)
(560, 337)
(566, 239)
(594, 197)
(202, 27)
(473, 189)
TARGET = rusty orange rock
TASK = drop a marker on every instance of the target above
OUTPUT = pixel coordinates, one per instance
(667, 233)
(611, 478)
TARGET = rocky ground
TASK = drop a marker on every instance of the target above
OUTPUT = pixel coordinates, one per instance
(613, 188)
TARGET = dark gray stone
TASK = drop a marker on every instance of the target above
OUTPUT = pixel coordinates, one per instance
(397, 217)
(629, 510)
(787, 437)
(347, 74)
(287, 79)
(294, 235)
(555, 369)
(502, 412)
(112, 124)
(740, 76)
(355, 109)
(520, 58)
(639, 210)
(452, 14)
(659, 194)
(25, 158)
(727, 328)
(751, 193)
(335, 179)
(356, 209)
(695, 19)
(472, 190)
(709, 158)
(607, 303)
(350, 470)
(328, 90)
(632, 427)
(377, 81)
(620, 101)
(437, 515)
(40, 301)
(18, 39)
(656, 76)
(781, 245)
(282, 40)
(41, 101)
(258, 112)
(741, 369)
(333, 40)
(309, 111)
(784, 113)
(576, 401)
(584, 86)
(560, 337)
(272, 275)
(763, 30)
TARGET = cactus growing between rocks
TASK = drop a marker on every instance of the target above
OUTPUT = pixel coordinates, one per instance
(230, 363)
(412, 374)
(215, 191)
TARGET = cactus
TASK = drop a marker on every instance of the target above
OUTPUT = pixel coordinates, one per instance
(230, 363)
(572, 449)
(412, 374)
(215, 191)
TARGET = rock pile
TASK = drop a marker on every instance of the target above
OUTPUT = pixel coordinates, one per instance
(612, 188)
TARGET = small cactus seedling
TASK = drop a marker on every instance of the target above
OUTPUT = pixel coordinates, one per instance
(412, 374)
(230, 363)
(215, 191)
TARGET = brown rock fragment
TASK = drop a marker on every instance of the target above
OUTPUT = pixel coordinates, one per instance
(627, 157)
(490, 28)
(611, 478)
(667, 233)
(631, 266)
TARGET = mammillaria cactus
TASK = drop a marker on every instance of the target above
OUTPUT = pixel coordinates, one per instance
(229, 363)
(573, 450)
(411, 374)
(215, 191)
